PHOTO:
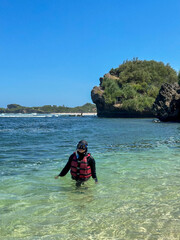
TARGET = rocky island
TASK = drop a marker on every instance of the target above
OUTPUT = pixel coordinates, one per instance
(131, 89)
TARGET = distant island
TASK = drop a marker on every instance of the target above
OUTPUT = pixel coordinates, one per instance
(15, 108)
(131, 89)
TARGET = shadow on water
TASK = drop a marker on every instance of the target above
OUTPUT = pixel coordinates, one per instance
(78, 195)
(75, 188)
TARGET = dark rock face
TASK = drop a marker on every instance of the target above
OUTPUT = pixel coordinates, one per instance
(114, 111)
(98, 99)
(167, 104)
(11, 106)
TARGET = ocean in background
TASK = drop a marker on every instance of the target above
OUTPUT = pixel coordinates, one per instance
(138, 168)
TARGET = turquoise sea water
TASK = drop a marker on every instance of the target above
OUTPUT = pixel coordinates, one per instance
(138, 167)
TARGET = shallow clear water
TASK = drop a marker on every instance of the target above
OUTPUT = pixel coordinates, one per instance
(138, 167)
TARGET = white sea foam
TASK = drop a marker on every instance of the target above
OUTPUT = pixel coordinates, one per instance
(46, 115)
(21, 115)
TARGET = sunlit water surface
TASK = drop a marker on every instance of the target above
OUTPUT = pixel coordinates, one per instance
(138, 167)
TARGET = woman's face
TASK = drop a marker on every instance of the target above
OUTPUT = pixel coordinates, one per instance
(81, 150)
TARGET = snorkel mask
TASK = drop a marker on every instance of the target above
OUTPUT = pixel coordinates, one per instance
(82, 145)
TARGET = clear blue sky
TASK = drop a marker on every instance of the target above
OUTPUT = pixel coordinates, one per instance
(54, 51)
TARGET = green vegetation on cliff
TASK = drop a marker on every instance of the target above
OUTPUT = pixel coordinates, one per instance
(135, 84)
(179, 77)
(15, 108)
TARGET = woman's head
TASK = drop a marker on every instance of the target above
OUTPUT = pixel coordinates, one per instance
(82, 146)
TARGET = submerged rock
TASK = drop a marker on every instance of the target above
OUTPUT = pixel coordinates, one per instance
(167, 104)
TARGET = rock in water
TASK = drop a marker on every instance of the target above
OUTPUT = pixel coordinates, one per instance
(167, 104)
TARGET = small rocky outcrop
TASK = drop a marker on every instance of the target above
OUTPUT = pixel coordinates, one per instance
(167, 104)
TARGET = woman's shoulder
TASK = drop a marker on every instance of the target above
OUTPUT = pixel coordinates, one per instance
(90, 158)
(72, 155)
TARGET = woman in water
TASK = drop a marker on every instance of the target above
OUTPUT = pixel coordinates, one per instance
(81, 164)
